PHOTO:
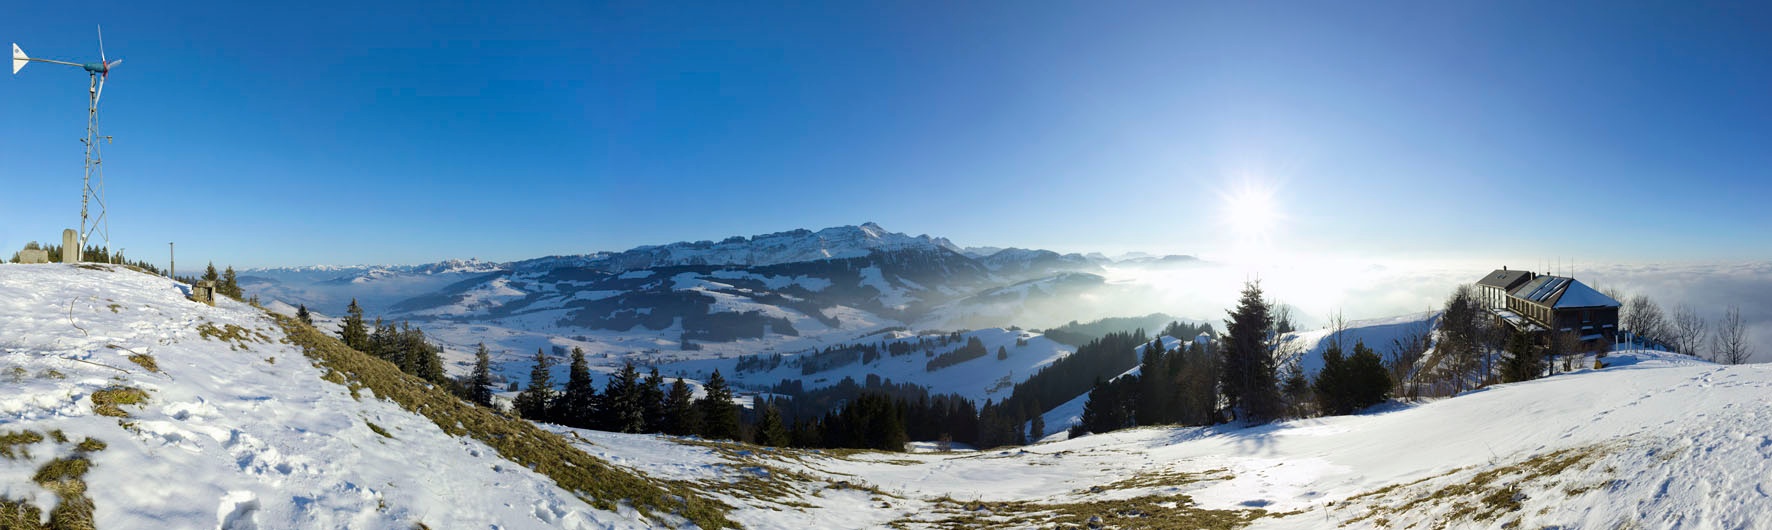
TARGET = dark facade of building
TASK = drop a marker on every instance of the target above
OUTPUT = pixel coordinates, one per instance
(1543, 303)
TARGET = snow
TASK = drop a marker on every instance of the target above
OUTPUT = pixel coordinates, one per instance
(773, 249)
(230, 438)
(1580, 295)
(976, 379)
(891, 297)
(775, 283)
(234, 434)
(1661, 441)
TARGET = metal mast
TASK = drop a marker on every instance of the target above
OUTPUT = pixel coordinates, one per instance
(90, 194)
(90, 224)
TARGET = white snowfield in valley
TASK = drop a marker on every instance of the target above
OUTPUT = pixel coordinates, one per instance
(234, 433)
(240, 431)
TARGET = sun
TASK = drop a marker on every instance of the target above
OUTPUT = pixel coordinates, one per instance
(1251, 214)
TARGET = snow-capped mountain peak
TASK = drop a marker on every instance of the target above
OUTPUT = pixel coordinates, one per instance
(792, 246)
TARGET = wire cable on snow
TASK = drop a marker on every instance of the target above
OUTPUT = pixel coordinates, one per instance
(71, 318)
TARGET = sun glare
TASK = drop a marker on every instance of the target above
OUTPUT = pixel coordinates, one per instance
(1251, 214)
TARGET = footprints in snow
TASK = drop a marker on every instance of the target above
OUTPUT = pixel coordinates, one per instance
(238, 511)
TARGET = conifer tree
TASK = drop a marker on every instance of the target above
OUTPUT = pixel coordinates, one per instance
(532, 403)
(770, 431)
(1154, 404)
(1348, 384)
(417, 356)
(352, 331)
(1002, 353)
(719, 416)
(1372, 383)
(1248, 379)
(621, 408)
(1036, 429)
(652, 397)
(1332, 383)
(577, 405)
(209, 274)
(384, 343)
(681, 417)
(302, 314)
(480, 384)
(1523, 361)
(230, 284)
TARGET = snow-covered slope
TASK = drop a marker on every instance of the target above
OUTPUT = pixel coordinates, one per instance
(977, 379)
(1381, 334)
(237, 429)
(1653, 441)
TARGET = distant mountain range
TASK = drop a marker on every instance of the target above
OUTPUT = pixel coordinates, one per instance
(837, 281)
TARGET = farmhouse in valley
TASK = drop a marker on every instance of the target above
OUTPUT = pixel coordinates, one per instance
(1541, 303)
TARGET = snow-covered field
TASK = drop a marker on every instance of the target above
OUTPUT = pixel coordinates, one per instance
(234, 433)
(238, 430)
(1654, 441)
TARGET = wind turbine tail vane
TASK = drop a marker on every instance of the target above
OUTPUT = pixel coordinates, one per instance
(19, 59)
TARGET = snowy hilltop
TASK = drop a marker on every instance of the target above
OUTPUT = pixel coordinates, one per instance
(176, 414)
(129, 405)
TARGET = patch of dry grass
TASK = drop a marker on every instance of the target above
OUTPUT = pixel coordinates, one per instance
(1480, 500)
(597, 482)
(66, 478)
(13, 444)
(108, 401)
(238, 338)
(1152, 512)
(145, 361)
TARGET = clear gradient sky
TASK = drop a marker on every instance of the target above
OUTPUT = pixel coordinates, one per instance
(408, 132)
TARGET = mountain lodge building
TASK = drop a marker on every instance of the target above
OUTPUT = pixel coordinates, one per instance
(1538, 303)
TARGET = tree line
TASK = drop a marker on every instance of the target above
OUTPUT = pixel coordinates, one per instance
(1237, 378)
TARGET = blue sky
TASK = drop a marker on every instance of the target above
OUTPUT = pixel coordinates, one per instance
(407, 132)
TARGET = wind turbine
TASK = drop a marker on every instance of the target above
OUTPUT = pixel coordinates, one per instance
(96, 72)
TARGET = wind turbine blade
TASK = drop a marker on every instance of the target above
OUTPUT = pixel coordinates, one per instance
(101, 44)
(18, 58)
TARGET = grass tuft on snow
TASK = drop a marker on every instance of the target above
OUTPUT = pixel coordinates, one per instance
(145, 361)
(66, 478)
(236, 336)
(597, 482)
(107, 402)
(13, 445)
(378, 430)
